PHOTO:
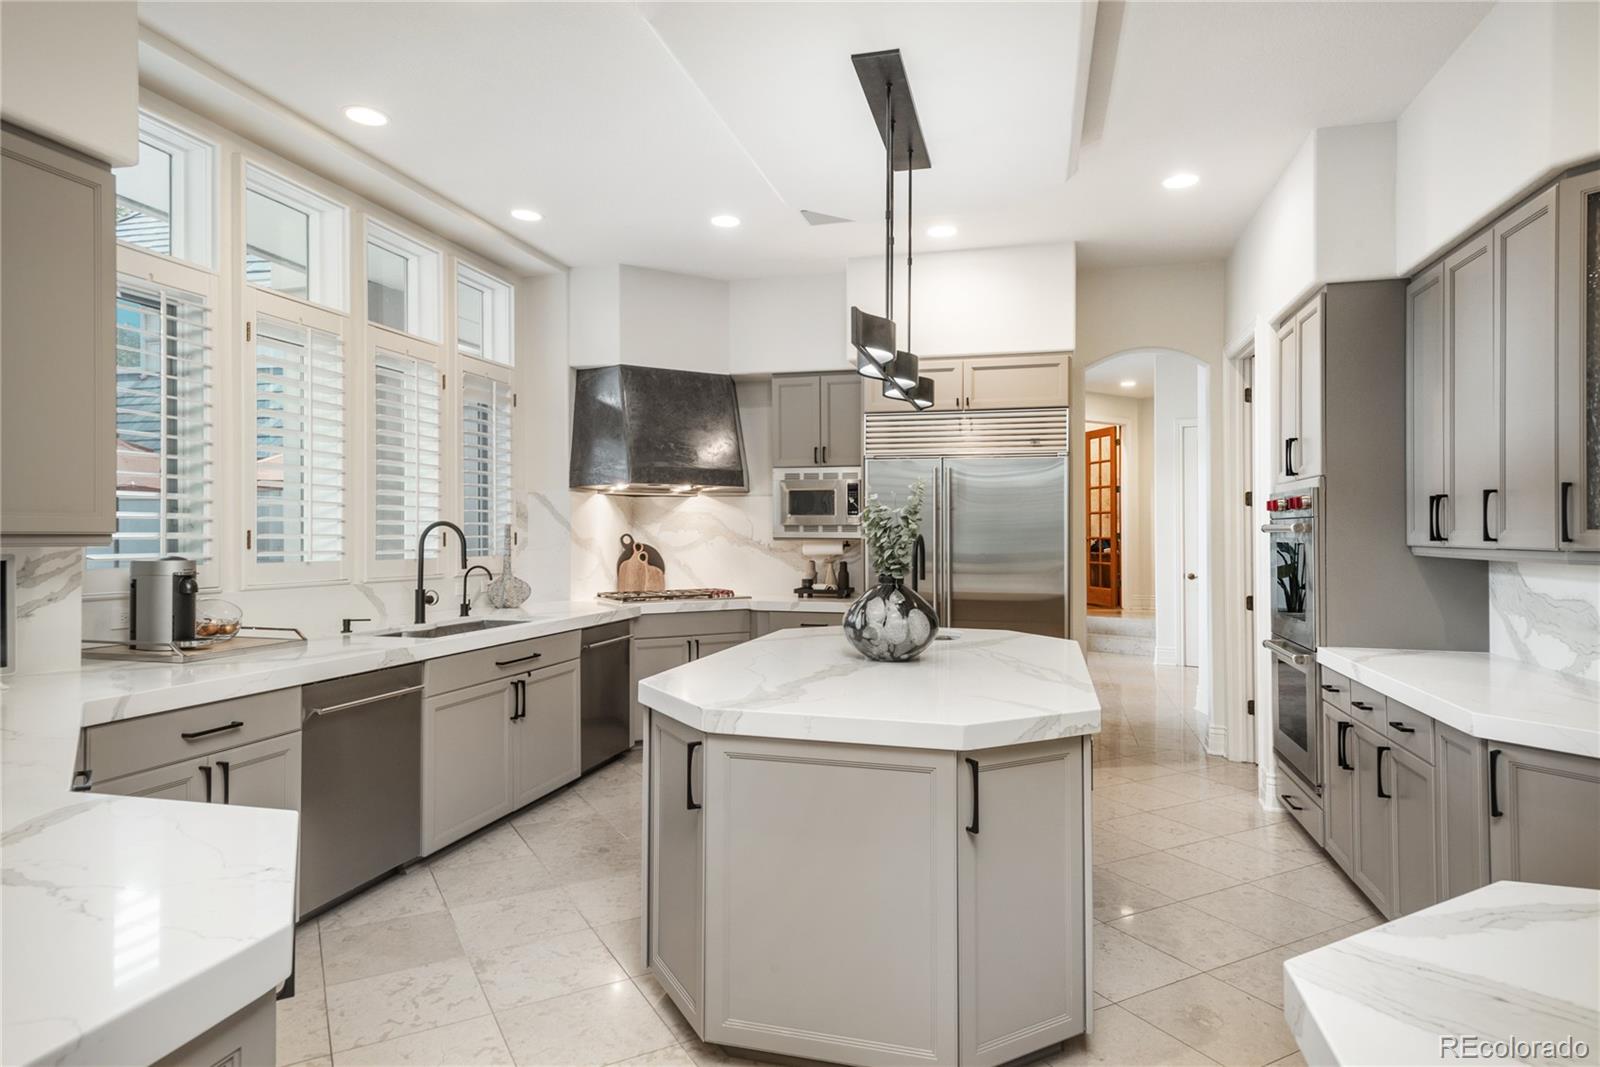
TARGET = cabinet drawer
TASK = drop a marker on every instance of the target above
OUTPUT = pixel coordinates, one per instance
(1301, 805)
(1410, 729)
(1335, 688)
(502, 661)
(692, 624)
(118, 748)
(1368, 707)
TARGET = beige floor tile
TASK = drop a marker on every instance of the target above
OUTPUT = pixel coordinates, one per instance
(471, 1043)
(320, 1061)
(557, 807)
(671, 1056)
(1323, 888)
(478, 882)
(581, 849)
(1125, 966)
(1240, 775)
(1106, 810)
(1142, 796)
(1234, 857)
(1192, 786)
(350, 953)
(1156, 830)
(499, 842)
(1218, 816)
(1225, 1023)
(1294, 1059)
(708, 1055)
(607, 900)
(656, 994)
(1188, 934)
(518, 920)
(1166, 873)
(1115, 896)
(1110, 846)
(622, 939)
(307, 959)
(302, 1028)
(1261, 976)
(1279, 837)
(1137, 769)
(523, 974)
(595, 1026)
(392, 1005)
(1122, 1039)
(1267, 915)
(410, 893)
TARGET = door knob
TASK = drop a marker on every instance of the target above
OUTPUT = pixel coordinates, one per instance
(1190, 576)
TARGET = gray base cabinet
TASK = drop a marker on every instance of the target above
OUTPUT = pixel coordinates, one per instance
(1461, 791)
(1542, 825)
(662, 642)
(1416, 854)
(1338, 788)
(766, 622)
(247, 1038)
(675, 946)
(1374, 846)
(466, 761)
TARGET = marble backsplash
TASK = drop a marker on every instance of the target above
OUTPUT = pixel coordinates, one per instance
(1547, 614)
(49, 591)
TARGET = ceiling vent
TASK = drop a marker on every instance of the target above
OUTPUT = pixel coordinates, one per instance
(817, 218)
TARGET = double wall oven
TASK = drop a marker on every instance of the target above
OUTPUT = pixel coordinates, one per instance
(1294, 551)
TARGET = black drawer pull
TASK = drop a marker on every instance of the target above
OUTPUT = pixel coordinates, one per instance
(195, 735)
(1344, 762)
(1288, 802)
(1326, 688)
(1433, 517)
(1288, 461)
(1494, 783)
(519, 697)
(1358, 704)
(1566, 527)
(1487, 493)
(205, 772)
(1402, 727)
(1379, 776)
(1438, 517)
(519, 659)
(226, 791)
(972, 765)
(688, 774)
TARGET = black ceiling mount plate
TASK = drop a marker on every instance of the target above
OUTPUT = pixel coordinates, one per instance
(883, 75)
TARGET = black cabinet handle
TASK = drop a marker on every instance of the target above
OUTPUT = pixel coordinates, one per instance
(1288, 457)
(824, 453)
(1433, 517)
(1566, 527)
(688, 774)
(1438, 516)
(519, 693)
(1344, 761)
(205, 772)
(1358, 704)
(1326, 688)
(1379, 777)
(972, 765)
(1288, 802)
(1402, 727)
(223, 765)
(1494, 783)
(1487, 493)
(195, 735)
(519, 659)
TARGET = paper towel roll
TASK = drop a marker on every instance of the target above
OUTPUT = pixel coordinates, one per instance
(822, 549)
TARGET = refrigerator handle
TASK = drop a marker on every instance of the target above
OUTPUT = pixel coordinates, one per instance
(944, 503)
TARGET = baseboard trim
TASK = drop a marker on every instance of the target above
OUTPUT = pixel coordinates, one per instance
(1166, 656)
(1217, 739)
(1142, 602)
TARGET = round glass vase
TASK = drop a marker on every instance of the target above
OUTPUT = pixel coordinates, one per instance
(890, 622)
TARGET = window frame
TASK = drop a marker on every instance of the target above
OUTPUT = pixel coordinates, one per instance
(499, 319)
(327, 238)
(501, 375)
(194, 191)
(424, 280)
(439, 549)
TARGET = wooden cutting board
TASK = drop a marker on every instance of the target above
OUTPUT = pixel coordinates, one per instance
(640, 568)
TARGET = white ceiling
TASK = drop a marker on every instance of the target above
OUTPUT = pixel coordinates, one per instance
(628, 126)
(1138, 366)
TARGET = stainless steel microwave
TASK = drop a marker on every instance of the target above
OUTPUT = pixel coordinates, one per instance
(813, 502)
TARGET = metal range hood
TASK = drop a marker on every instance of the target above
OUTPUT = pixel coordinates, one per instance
(643, 431)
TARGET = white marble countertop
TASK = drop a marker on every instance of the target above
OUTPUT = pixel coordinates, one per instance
(1513, 960)
(982, 689)
(1489, 697)
(737, 603)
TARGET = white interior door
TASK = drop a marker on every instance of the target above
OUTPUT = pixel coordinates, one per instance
(1189, 445)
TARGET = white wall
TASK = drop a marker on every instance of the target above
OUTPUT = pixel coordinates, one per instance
(1176, 402)
(649, 318)
(1517, 100)
(1355, 216)
(776, 325)
(70, 71)
(987, 300)
(1275, 258)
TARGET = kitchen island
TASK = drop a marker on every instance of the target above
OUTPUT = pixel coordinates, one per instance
(873, 863)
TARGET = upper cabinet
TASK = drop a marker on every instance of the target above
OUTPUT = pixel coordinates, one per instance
(816, 420)
(1297, 407)
(988, 382)
(1501, 400)
(57, 345)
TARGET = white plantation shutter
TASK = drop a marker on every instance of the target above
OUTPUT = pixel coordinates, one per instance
(406, 453)
(300, 444)
(485, 463)
(164, 421)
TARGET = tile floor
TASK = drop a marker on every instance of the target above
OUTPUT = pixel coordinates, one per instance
(521, 945)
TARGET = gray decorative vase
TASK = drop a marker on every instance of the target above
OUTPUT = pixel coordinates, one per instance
(890, 622)
(507, 591)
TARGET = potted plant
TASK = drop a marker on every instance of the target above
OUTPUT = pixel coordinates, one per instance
(890, 621)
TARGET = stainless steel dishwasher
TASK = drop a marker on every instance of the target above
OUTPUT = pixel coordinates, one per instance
(360, 781)
(607, 704)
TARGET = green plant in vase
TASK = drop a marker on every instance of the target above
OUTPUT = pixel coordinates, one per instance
(890, 621)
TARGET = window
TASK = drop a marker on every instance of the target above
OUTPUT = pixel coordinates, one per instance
(294, 239)
(406, 453)
(164, 421)
(402, 283)
(485, 463)
(300, 455)
(164, 202)
(483, 315)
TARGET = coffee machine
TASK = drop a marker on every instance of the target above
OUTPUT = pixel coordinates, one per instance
(161, 604)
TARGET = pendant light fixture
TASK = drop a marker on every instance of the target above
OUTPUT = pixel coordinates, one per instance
(874, 335)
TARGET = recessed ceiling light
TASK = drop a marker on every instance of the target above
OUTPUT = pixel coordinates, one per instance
(366, 116)
(525, 214)
(1181, 180)
(725, 222)
(1129, 384)
(942, 231)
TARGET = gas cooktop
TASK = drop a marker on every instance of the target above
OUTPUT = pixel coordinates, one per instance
(669, 594)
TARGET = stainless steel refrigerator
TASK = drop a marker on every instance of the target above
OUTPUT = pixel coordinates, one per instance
(994, 531)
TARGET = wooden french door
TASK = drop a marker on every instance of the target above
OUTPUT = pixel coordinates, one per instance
(1102, 487)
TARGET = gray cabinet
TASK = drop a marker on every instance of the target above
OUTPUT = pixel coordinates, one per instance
(247, 1038)
(1428, 391)
(57, 345)
(466, 758)
(1469, 518)
(1525, 340)
(1578, 355)
(766, 622)
(1373, 869)
(1542, 825)
(1026, 381)
(662, 642)
(262, 774)
(1416, 855)
(816, 420)
(1020, 888)
(1338, 787)
(947, 376)
(675, 925)
(188, 780)
(1461, 792)
(1297, 407)
(544, 738)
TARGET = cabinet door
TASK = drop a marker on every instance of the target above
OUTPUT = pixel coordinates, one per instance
(714, 643)
(1525, 306)
(1020, 894)
(57, 345)
(188, 780)
(841, 420)
(796, 421)
(1308, 339)
(675, 938)
(466, 761)
(262, 774)
(1475, 414)
(1427, 418)
(1578, 337)
(1373, 870)
(1461, 791)
(544, 740)
(1286, 409)
(1416, 852)
(1339, 787)
(1014, 382)
(652, 655)
(1542, 825)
